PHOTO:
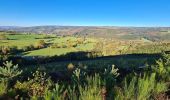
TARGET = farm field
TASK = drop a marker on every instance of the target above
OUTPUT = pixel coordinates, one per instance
(23, 40)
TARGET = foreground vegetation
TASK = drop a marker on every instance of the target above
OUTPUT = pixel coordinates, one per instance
(150, 82)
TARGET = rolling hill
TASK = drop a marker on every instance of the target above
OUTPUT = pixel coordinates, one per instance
(151, 33)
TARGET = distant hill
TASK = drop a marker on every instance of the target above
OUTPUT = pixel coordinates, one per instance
(8, 27)
(151, 33)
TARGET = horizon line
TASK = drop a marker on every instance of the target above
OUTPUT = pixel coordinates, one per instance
(81, 26)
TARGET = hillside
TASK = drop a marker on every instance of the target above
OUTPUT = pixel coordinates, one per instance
(150, 33)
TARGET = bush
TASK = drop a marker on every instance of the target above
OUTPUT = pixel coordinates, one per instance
(71, 44)
(35, 87)
(162, 68)
(78, 85)
(40, 44)
(3, 37)
(28, 48)
(70, 67)
(8, 71)
(80, 41)
(55, 45)
(55, 93)
(141, 88)
(93, 90)
(5, 50)
(3, 87)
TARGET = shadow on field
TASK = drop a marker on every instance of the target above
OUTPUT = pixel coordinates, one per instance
(81, 56)
(126, 63)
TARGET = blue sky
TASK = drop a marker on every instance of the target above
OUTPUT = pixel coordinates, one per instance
(85, 12)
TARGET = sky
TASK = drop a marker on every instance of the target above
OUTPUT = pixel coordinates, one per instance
(85, 12)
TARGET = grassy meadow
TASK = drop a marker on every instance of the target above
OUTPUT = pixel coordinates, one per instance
(22, 40)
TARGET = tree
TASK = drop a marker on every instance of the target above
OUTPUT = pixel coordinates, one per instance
(5, 50)
(3, 37)
(41, 44)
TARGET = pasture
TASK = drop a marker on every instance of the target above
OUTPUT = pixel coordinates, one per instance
(22, 40)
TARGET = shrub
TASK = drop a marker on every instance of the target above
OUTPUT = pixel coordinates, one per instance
(28, 48)
(64, 46)
(8, 71)
(110, 76)
(145, 86)
(25, 48)
(55, 93)
(160, 87)
(3, 37)
(141, 88)
(5, 50)
(70, 67)
(41, 44)
(3, 87)
(55, 45)
(80, 41)
(162, 70)
(35, 87)
(93, 90)
(71, 44)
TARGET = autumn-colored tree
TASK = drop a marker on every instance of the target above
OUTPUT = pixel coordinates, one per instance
(70, 67)
(40, 44)
(3, 37)
(5, 50)
(80, 41)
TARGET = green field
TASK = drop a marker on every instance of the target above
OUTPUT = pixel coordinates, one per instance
(22, 40)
